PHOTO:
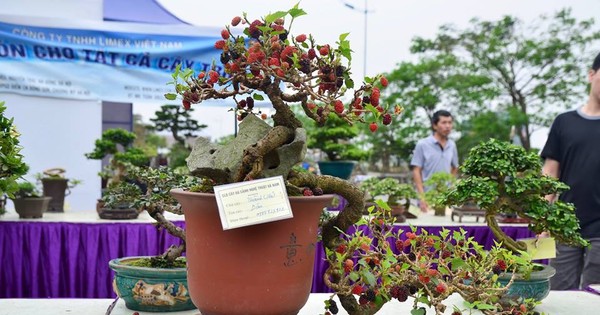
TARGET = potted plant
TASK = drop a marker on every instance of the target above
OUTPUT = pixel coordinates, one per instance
(335, 140)
(275, 259)
(503, 178)
(117, 144)
(28, 201)
(153, 283)
(398, 194)
(12, 166)
(55, 185)
(438, 184)
(377, 263)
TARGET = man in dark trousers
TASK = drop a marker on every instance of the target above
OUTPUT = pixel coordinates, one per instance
(572, 154)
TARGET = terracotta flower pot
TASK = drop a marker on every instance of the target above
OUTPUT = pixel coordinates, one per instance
(263, 269)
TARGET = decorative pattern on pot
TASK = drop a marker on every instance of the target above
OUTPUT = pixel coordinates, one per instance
(151, 289)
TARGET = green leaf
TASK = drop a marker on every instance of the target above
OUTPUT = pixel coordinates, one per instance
(369, 278)
(258, 97)
(418, 311)
(274, 16)
(296, 12)
(171, 96)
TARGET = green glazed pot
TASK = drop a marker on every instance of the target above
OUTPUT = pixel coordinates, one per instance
(151, 289)
(536, 287)
(341, 169)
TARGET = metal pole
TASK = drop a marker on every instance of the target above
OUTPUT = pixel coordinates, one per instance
(365, 56)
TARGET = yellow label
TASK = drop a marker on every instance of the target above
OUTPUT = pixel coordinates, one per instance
(540, 248)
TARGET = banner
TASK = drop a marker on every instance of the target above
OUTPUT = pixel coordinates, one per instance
(109, 61)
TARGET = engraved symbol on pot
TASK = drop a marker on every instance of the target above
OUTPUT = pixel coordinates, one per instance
(291, 251)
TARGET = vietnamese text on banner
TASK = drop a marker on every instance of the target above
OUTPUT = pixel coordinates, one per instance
(110, 61)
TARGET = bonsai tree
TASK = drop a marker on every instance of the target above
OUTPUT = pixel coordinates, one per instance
(267, 61)
(503, 178)
(155, 200)
(57, 186)
(398, 194)
(178, 121)
(377, 264)
(28, 201)
(117, 143)
(335, 140)
(439, 183)
(12, 166)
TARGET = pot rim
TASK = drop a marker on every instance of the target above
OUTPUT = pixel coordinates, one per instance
(180, 191)
(119, 267)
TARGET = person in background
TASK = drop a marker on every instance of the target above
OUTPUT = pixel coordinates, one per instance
(436, 153)
(572, 155)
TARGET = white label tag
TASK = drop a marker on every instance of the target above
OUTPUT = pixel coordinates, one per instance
(253, 202)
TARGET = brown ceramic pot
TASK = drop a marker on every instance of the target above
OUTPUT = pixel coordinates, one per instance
(263, 269)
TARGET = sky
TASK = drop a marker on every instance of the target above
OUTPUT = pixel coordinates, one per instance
(390, 27)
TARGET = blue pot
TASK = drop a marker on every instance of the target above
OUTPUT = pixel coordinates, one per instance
(341, 169)
(536, 287)
(151, 289)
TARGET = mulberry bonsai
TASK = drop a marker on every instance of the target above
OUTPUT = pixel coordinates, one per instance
(267, 61)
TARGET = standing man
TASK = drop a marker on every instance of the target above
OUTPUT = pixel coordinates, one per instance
(436, 153)
(572, 154)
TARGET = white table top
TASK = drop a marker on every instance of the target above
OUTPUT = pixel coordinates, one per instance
(557, 303)
(90, 216)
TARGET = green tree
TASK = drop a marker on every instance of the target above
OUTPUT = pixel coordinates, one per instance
(537, 67)
(178, 121)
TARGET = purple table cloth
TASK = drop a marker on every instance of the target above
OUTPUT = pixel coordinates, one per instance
(70, 260)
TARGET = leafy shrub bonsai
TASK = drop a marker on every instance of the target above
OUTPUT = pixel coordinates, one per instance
(12, 166)
(267, 61)
(118, 144)
(155, 200)
(398, 194)
(439, 183)
(503, 178)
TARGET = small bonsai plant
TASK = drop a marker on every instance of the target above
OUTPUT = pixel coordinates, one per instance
(377, 263)
(398, 194)
(439, 183)
(12, 166)
(29, 202)
(118, 144)
(155, 200)
(57, 186)
(503, 178)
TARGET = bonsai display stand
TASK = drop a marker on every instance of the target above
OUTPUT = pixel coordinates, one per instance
(467, 211)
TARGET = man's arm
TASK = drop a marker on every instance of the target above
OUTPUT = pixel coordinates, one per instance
(418, 180)
(551, 168)
(454, 171)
